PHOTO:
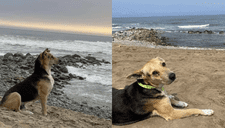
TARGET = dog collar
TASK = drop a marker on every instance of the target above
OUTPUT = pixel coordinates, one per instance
(148, 86)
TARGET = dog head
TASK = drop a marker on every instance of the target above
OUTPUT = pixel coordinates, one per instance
(44, 61)
(155, 73)
(47, 59)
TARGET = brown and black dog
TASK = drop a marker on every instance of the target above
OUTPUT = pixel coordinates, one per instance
(146, 97)
(35, 87)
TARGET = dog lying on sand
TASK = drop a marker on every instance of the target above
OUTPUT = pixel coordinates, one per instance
(36, 87)
(146, 97)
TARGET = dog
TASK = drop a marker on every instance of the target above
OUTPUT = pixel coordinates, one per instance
(146, 97)
(36, 87)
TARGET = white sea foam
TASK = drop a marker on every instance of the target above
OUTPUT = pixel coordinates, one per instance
(95, 74)
(117, 27)
(69, 45)
(194, 26)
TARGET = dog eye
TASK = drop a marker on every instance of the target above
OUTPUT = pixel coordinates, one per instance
(163, 64)
(155, 73)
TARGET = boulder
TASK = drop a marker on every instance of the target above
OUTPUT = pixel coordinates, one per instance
(63, 69)
(19, 54)
(5, 57)
(221, 32)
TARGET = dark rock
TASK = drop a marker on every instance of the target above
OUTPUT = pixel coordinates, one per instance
(4, 67)
(197, 32)
(104, 61)
(221, 32)
(10, 58)
(19, 54)
(75, 56)
(80, 78)
(28, 55)
(190, 32)
(64, 77)
(208, 32)
(5, 57)
(24, 67)
(18, 59)
(72, 75)
(63, 69)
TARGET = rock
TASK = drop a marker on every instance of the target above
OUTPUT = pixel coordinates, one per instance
(208, 32)
(4, 67)
(28, 55)
(190, 32)
(19, 54)
(64, 77)
(24, 67)
(10, 58)
(63, 69)
(221, 32)
(18, 59)
(72, 75)
(5, 57)
(197, 32)
(80, 78)
(106, 62)
(75, 56)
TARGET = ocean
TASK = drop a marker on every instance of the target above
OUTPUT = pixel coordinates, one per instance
(176, 29)
(98, 83)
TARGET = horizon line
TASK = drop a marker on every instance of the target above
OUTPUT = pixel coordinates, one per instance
(82, 29)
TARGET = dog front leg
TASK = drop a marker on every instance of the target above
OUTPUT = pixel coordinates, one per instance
(43, 104)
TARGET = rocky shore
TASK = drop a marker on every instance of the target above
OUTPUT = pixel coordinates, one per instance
(153, 37)
(205, 32)
(14, 68)
(141, 34)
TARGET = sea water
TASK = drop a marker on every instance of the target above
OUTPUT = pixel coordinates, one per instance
(176, 29)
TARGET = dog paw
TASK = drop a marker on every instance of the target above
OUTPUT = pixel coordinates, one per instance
(207, 112)
(181, 104)
(171, 96)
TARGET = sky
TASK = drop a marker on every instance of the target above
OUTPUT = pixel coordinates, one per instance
(148, 8)
(78, 16)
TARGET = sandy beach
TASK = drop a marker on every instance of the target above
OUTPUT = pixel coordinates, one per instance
(56, 118)
(200, 81)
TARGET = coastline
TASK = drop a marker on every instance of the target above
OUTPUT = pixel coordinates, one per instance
(199, 80)
(16, 67)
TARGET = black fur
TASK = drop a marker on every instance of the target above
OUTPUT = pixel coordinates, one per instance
(28, 88)
(128, 103)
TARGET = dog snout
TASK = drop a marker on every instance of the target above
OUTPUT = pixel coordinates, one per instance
(172, 76)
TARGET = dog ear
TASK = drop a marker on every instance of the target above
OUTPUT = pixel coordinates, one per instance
(137, 74)
(47, 50)
(159, 58)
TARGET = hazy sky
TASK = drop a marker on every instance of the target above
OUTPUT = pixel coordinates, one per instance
(82, 16)
(146, 8)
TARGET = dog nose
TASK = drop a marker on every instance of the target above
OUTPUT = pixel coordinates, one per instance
(172, 76)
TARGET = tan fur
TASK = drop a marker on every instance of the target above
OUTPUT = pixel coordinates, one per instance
(44, 88)
(151, 66)
(13, 101)
(163, 107)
